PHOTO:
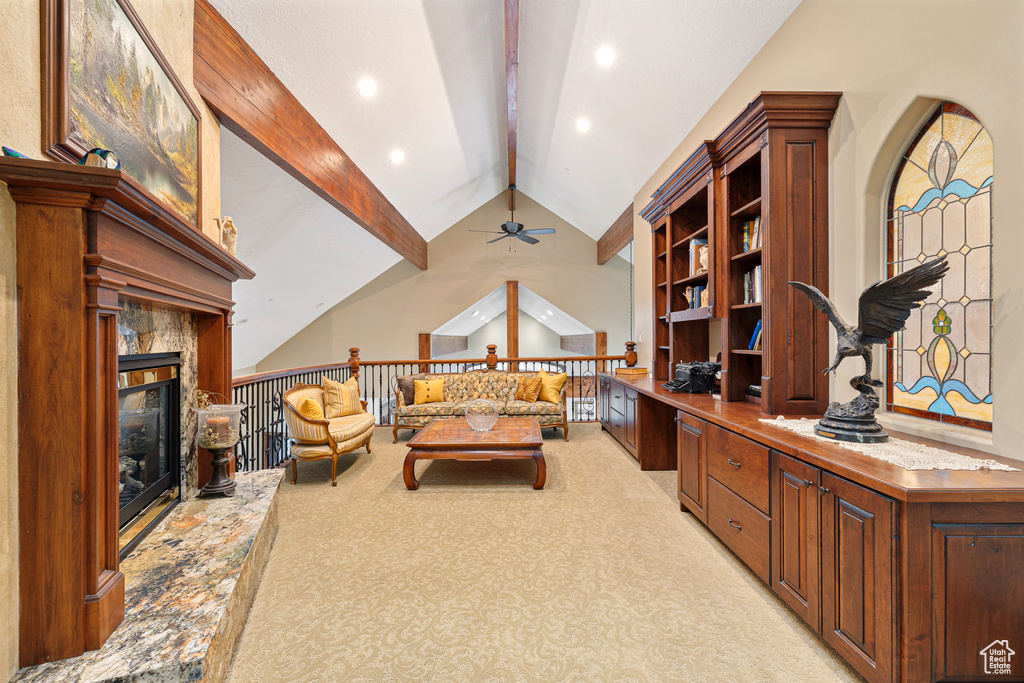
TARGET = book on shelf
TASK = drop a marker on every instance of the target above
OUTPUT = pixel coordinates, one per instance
(752, 286)
(755, 233)
(754, 390)
(630, 372)
(755, 336)
(695, 266)
(695, 296)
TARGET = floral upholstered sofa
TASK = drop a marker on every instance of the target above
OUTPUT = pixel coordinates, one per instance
(462, 388)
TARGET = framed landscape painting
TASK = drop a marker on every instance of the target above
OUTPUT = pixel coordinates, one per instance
(106, 84)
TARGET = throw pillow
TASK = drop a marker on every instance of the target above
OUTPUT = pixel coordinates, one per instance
(528, 389)
(429, 390)
(550, 385)
(309, 408)
(405, 384)
(342, 399)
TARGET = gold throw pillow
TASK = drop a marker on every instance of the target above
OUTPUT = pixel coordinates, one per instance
(342, 399)
(429, 390)
(528, 389)
(309, 408)
(550, 385)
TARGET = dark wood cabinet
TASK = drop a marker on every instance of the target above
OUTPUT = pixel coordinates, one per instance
(741, 464)
(857, 606)
(795, 536)
(692, 464)
(604, 396)
(978, 600)
(629, 415)
(741, 526)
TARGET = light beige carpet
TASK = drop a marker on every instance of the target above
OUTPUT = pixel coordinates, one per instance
(477, 577)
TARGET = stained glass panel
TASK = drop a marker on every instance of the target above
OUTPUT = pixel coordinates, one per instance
(940, 204)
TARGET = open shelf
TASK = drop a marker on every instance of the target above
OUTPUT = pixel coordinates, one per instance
(662, 254)
(696, 235)
(662, 283)
(745, 352)
(748, 210)
(738, 307)
(693, 279)
(751, 255)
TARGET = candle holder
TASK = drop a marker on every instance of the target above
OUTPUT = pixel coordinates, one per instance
(218, 426)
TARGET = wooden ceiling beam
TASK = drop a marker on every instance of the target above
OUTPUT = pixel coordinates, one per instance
(512, 89)
(253, 103)
(616, 237)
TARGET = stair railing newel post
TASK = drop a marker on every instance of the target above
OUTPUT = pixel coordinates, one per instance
(492, 356)
(353, 361)
(630, 354)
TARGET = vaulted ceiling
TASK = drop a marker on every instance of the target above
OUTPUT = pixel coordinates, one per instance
(439, 70)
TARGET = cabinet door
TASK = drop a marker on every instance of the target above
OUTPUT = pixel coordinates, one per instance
(630, 423)
(858, 608)
(692, 464)
(602, 398)
(795, 540)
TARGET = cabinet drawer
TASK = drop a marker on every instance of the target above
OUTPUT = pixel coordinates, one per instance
(740, 526)
(617, 398)
(740, 464)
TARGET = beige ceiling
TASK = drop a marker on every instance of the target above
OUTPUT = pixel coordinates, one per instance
(439, 69)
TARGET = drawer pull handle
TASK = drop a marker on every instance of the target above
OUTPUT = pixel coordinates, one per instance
(822, 490)
(617, 396)
(734, 464)
(735, 526)
(807, 482)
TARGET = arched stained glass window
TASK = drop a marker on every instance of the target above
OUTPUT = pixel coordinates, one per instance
(940, 203)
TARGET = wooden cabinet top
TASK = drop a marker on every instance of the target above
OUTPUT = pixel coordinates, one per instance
(908, 485)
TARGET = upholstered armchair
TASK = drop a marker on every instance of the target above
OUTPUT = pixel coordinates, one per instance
(323, 439)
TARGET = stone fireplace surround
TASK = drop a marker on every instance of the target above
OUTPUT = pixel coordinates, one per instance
(97, 254)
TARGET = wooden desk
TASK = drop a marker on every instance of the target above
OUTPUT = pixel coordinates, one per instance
(906, 574)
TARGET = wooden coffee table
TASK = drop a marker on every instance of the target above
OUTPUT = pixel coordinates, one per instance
(511, 438)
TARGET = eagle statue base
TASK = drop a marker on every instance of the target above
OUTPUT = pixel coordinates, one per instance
(854, 420)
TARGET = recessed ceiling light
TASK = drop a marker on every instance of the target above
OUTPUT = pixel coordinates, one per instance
(583, 125)
(476, 312)
(605, 56)
(550, 313)
(397, 157)
(367, 87)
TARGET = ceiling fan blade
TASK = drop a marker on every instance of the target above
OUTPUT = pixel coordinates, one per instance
(490, 232)
(539, 231)
(526, 238)
(497, 239)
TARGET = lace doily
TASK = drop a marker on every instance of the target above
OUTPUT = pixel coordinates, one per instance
(905, 454)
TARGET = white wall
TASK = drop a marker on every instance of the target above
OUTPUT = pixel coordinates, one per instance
(893, 60)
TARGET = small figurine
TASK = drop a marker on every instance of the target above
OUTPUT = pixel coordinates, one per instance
(703, 258)
(883, 310)
(228, 234)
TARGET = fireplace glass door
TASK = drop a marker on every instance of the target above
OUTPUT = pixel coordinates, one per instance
(149, 441)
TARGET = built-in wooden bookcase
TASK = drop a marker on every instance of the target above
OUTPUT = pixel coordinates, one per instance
(765, 175)
(662, 292)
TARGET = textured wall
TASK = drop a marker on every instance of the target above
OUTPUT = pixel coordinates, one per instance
(884, 58)
(384, 318)
(170, 24)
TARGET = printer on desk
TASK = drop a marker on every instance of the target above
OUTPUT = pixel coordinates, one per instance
(694, 377)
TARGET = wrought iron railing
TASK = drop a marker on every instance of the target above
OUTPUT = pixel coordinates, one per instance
(264, 437)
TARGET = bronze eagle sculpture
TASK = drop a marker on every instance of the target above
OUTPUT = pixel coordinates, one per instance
(883, 310)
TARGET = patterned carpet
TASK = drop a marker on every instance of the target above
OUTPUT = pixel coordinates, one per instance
(477, 577)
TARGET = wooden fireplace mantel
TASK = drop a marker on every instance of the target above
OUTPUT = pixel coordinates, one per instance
(87, 237)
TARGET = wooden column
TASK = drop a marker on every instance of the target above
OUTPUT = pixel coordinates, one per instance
(512, 323)
(214, 375)
(601, 348)
(424, 351)
(72, 594)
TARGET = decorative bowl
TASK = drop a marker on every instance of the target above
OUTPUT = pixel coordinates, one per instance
(481, 415)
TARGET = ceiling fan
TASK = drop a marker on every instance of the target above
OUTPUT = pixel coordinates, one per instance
(510, 228)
